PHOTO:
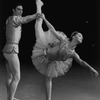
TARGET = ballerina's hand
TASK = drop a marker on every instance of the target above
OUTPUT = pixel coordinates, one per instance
(41, 15)
(96, 73)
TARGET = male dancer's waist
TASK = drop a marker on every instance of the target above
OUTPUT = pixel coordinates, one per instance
(12, 42)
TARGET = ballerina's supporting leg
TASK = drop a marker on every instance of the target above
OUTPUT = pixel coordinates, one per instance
(40, 35)
(48, 87)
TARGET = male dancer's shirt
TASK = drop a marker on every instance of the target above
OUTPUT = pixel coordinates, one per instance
(13, 29)
(13, 33)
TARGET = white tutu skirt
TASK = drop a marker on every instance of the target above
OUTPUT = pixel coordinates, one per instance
(44, 65)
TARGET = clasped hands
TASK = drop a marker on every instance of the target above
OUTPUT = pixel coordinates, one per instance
(40, 15)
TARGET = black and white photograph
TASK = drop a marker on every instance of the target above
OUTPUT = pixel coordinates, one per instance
(49, 50)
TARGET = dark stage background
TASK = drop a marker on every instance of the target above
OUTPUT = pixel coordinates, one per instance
(66, 16)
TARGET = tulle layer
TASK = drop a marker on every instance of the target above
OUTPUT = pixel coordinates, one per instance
(45, 66)
(52, 68)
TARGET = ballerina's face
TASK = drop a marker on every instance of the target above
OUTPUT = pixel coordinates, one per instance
(79, 37)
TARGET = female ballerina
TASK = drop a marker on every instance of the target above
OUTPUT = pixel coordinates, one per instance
(53, 52)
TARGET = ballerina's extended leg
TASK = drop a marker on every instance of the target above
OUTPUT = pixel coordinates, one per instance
(39, 33)
(39, 4)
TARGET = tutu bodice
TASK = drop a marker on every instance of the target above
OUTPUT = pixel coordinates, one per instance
(57, 59)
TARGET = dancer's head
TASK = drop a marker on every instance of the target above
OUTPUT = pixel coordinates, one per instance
(77, 36)
(18, 10)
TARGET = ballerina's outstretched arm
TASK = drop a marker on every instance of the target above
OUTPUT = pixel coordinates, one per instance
(51, 28)
(83, 63)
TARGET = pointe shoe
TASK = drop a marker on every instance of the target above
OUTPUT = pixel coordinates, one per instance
(16, 99)
(39, 3)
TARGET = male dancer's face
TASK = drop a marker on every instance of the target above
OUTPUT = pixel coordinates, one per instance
(19, 10)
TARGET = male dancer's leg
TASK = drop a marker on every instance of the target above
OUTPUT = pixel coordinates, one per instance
(9, 78)
(13, 72)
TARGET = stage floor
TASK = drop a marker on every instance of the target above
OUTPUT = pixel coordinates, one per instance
(77, 84)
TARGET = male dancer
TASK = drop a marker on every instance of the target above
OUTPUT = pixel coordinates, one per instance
(11, 50)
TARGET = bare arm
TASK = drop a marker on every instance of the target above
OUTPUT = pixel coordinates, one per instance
(26, 19)
(52, 29)
(83, 63)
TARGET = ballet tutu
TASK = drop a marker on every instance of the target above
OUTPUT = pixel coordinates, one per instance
(51, 66)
